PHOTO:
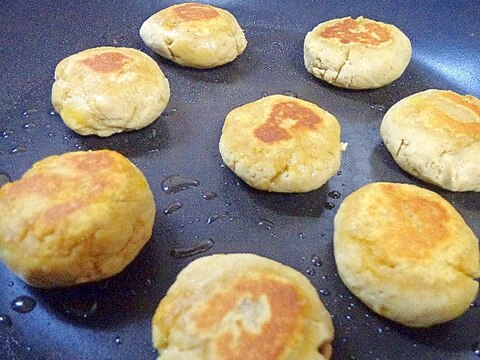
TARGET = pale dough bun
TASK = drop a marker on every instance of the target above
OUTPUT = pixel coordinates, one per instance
(195, 35)
(356, 53)
(107, 90)
(75, 218)
(406, 253)
(435, 136)
(241, 306)
(280, 143)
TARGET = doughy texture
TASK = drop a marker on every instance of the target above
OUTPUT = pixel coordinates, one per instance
(435, 136)
(241, 306)
(280, 143)
(406, 253)
(356, 53)
(107, 90)
(75, 218)
(195, 35)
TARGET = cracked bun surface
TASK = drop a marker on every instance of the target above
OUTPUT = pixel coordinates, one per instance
(281, 143)
(241, 306)
(356, 53)
(406, 253)
(194, 35)
(435, 136)
(107, 90)
(75, 218)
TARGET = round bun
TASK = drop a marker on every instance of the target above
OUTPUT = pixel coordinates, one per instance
(241, 306)
(356, 53)
(195, 35)
(280, 143)
(435, 136)
(107, 90)
(406, 253)
(75, 218)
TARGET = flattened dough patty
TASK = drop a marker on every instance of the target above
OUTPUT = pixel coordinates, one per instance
(241, 307)
(195, 35)
(75, 218)
(280, 143)
(406, 253)
(107, 90)
(356, 53)
(435, 136)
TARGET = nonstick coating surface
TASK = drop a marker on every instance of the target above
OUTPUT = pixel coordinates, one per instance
(111, 319)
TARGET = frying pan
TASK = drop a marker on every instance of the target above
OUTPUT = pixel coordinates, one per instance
(215, 212)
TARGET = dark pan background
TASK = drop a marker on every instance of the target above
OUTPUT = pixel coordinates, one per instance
(111, 319)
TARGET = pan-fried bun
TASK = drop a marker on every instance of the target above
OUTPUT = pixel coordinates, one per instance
(435, 136)
(356, 53)
(280, 143)
(195, 35)
(75, 218)
(406, 253)
(106, 90)
(241, 306)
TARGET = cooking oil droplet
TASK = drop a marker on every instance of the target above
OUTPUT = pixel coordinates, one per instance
(301, 236)
(169, 112)
(475, 303)
(29, 126)
(209, 195)
(6, 133)
(23, 304)
(118, 340)
(19, 149)
(10, 283)
(264, 94)
(5, 321)
(378, 107)
(199, 247)
(324, 292)
(29, 112)
(52, 113)
(213, 218)
(176, 183)
(4, 178)
(80, 307)
(310, 271)
(476, 348)
(329, 206)
(315, 261)
(172, 207)
(290, 93)
(266, 223)
(334, 194)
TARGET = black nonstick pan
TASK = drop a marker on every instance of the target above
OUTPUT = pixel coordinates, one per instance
(202, 207)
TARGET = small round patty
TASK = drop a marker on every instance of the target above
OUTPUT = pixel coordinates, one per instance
(107, 90)
(75, 218)
(356, 53)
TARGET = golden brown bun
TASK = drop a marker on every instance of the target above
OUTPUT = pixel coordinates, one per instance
(406, 253)
(280, 143)
(195, 35)
(356, 53)
(241, 306)
(435, 136)
(107, 90)
(75, 218)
